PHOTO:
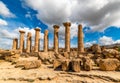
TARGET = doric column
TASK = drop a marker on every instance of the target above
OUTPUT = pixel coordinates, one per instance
(29, 42)
(15, 44)
(22, 33)
(67, 36)
(46, 41)
(56, 39)
(80, 40)
(37, 37)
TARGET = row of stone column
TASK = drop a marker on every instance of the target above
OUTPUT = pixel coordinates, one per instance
(56, 39)
(67, 38)
(29, 41)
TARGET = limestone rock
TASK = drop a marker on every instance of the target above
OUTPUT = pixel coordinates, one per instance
(73, 54)
(35, 54)
(96, 48)
(76, 65)
(90, 55)
(66, 55)
(59, 56)
(28, 64)
(46, 57)
(12, 57)
(87, 63)
(21, 63)
(109, 64)
(57, 63)
(66, 65)
(32, 64)
(110, 53)
(24, 54)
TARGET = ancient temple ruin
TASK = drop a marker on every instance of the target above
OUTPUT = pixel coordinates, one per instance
(46, 43)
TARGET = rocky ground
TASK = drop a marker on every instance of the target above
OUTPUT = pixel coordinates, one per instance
(46, 74)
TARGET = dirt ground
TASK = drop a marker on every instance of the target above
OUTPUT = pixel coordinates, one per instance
(46, 74)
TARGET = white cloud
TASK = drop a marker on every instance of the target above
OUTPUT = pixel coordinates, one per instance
(8, 35)
(88, 44)
(107, 41)
(73, 31)
(50, 12)
(4, 11)
(3, 22)
(98, 14)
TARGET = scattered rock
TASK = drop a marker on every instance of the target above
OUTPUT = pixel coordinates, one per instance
(87, 63)
(76, 63)
(96, 48)
(66, 65)
(109, 64)
(46, 57)
(110, 53)
(28, 64)
(66, 55)
(32, 64)
(57, 63)
(12, 58)
(24, 55)
(21, 63)
(90, 55)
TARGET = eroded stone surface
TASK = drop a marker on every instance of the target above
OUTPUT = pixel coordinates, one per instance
(109, 64)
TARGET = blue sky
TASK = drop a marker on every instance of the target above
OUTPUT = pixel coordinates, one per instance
(100, 20)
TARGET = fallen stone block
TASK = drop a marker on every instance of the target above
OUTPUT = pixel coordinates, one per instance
(57, 63)
(66, 65)
(32, 64)
(109, 64)
(87, 63)
(76, 63)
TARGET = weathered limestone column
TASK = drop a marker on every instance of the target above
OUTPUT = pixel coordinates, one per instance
(80, 40)
(56, 39)
(29, 42)
(46, 41)
(37, 37)
(67, 36)
(22, 33)
(15, 44)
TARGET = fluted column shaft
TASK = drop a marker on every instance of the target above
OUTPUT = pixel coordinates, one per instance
(22, 33)
(80, 40)
(67, 36)
(29, 42)
(15, 44)
(56, 39)
(46, 41)
(37, 38)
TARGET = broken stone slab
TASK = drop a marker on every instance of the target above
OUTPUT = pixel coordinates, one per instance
(87, 63)
(21, 63)
(109, 64)
(66, 65)
(46, 57)
(66, 55)
(76, 63)
(32, 64)
(110, 53)
(96, 48)
(12, 58)
(28, 64)
(57, 63)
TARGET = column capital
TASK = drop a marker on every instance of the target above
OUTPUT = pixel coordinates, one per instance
(46, 31)
(29, 34)
(55, 26)
(37, 29)
(80, 26)
(21, 31)
(67, 24)
(15, 38)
